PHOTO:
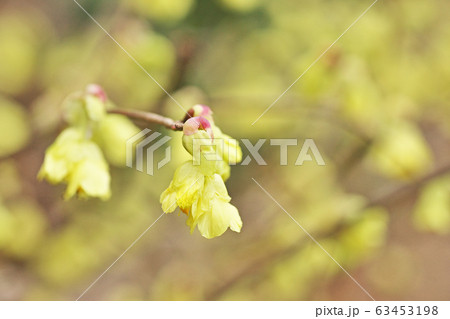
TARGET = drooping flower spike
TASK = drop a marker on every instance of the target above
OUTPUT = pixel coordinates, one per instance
(78, 156)
(198, 186)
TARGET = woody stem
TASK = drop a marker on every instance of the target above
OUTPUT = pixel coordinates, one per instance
(150, 118)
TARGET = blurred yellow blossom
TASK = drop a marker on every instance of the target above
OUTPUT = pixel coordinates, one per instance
(78, 162)
(432, 212)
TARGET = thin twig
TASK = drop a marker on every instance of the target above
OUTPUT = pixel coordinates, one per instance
(150, 118)
(404, 190)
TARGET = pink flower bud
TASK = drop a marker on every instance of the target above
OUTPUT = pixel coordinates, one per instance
(202, 110)
(199, 110)
(96, 90)
(194, 124)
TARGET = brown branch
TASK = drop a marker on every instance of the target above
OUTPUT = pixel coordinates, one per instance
(150, 118)
(404, 190)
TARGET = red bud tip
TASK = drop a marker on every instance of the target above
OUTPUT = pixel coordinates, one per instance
(205, 111)
(96, 90)
(192, 125)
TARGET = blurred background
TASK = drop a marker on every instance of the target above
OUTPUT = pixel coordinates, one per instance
(377, 106)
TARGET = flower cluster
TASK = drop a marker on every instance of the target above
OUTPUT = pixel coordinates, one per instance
(77, 157)
(198, 186)
(80, 155)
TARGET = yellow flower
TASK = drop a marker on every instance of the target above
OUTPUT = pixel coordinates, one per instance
(83, 108)
(198, 140)
(212, 212)
(210, 148)
(227, 147)
(204, 199)
(198, 186)
(78, 162)
(89, 178)
(197, 136)
(187, 182)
